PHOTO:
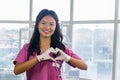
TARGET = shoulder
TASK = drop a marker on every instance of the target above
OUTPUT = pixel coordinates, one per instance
(68, 50)
(71, 53)
(22, 54)
(25, 46)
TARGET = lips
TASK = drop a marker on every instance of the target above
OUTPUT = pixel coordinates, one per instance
(46, 31)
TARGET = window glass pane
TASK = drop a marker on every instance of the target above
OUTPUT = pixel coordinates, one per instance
(118, 55)
(94, 44)
(66, 39)
(12, 37)
(62, 8)
(14, 9)
(93, 9)
(119, 9)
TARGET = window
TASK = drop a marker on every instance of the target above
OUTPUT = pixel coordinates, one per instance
(12, 38)
(118, 55)
(62, 8)
(12, 10)
(89, 33)
(94, 43)
(94, 9)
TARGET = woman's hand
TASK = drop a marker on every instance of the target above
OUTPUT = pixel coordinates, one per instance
(61, 55)
(46, 55)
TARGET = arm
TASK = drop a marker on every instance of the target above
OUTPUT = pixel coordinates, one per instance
(78, 63)
(75, 62)
(22, 67)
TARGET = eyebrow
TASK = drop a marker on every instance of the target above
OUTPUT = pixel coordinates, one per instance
(45, 21)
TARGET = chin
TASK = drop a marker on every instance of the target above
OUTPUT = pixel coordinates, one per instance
(47, 36)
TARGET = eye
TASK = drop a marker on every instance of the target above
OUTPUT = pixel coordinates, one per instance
(43, 23)
(51, 24)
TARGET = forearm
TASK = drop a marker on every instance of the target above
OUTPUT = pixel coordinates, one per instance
(78, 63)
(22, 67)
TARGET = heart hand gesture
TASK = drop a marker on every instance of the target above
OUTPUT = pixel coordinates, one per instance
(61, 55)
(46, 55)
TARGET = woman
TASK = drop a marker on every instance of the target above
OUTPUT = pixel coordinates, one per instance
(43, 56)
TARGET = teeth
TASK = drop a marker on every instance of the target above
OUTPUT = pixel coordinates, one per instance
(46, 31)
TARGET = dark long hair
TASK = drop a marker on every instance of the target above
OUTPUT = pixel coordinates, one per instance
(56, 38)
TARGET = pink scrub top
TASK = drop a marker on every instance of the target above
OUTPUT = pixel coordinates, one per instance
(44, 70)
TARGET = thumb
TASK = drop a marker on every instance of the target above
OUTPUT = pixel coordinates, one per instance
(58, 58)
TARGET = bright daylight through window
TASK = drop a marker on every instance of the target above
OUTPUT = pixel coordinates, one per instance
(88, 28)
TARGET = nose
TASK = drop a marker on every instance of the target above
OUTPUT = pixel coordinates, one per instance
(47, 26)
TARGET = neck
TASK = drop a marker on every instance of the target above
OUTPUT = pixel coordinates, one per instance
(44, 43)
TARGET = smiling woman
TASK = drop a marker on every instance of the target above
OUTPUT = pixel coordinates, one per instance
(43, 56)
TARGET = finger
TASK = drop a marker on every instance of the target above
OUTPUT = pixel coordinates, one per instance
(57, 50)
(52, 59)
(52, 50)
(58, 58)
(47, 50)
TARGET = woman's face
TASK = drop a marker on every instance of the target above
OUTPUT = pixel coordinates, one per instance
(47, 26)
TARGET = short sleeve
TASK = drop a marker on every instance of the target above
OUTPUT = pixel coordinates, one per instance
(72, 54)
(22, 55)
